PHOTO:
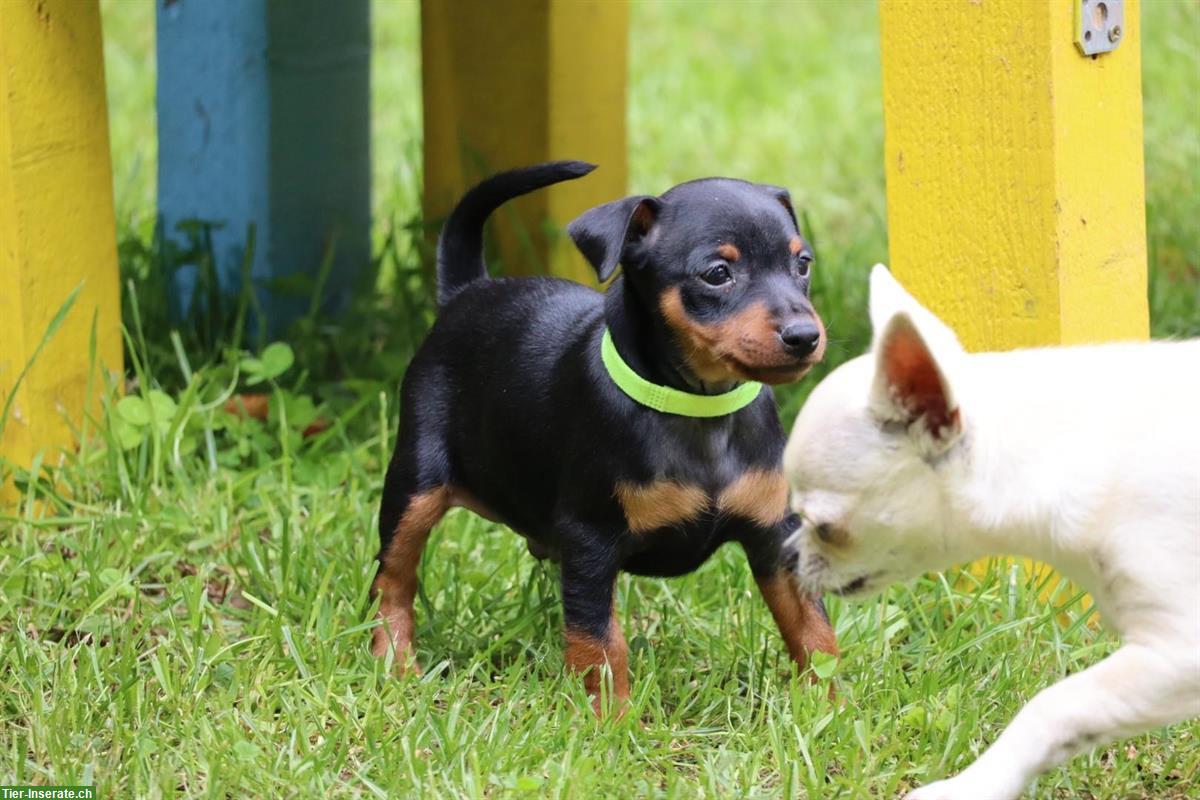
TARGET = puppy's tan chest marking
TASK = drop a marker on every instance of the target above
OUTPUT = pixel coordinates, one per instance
(758, 495)
(660, 504)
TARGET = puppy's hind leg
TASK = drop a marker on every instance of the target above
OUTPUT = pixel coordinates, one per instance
(1134, 690)
(415, 497)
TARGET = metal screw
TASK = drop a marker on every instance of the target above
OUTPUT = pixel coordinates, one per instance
(1114, 33)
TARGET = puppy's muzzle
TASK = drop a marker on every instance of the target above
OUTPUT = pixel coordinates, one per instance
(801, 338)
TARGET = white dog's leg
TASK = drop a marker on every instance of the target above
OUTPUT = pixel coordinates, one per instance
(1132, 691)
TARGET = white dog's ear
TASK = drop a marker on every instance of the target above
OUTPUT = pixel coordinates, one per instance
(888, 298)
(910, 388)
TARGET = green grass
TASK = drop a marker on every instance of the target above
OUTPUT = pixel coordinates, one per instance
(184, 608)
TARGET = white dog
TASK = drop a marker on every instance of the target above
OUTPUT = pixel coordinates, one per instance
(919, 455)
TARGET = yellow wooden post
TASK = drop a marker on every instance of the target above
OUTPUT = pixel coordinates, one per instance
(514, 82)
(1016, 205)
(56, 220)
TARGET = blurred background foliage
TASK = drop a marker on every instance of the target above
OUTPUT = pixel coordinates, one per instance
(780, 92)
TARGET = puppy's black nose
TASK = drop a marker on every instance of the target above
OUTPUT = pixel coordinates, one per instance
(801, 338)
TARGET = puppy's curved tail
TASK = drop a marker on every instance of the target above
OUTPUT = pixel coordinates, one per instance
(460, 247)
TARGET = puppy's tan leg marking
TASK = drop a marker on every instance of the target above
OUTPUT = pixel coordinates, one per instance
(396, 583)
(800, 620)
(760, 495)
(659, 504)
(587, 654)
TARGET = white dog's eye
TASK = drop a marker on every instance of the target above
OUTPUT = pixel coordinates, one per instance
(832, 534)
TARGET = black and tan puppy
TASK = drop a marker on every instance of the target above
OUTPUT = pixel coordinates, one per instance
(511, 409)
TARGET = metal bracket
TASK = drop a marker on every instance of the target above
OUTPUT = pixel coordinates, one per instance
(1099, 25)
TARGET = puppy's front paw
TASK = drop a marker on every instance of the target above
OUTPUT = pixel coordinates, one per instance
(384, 645)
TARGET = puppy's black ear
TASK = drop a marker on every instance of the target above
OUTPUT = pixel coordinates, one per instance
(785, 200)
(603, 233)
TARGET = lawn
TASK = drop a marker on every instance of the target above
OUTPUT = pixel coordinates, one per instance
(185, 605)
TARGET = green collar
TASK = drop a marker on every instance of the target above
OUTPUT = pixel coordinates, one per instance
(668, 400)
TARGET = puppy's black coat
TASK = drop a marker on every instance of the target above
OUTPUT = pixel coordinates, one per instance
(507, 408)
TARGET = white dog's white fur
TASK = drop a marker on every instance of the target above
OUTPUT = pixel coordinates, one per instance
(920, 455)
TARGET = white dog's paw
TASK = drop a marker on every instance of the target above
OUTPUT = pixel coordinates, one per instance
(942, 790)
(959, 788)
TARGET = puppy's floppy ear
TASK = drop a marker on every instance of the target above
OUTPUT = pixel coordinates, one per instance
(888, 298)
(911, 389)
(785, 200)
(602, 233)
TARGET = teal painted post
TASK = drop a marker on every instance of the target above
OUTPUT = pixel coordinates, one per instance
(264, 118)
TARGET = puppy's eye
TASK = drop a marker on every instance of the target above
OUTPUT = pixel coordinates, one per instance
(716, 275)
(802, 265)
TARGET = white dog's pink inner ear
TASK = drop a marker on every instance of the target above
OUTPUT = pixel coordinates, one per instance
(914, 380)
